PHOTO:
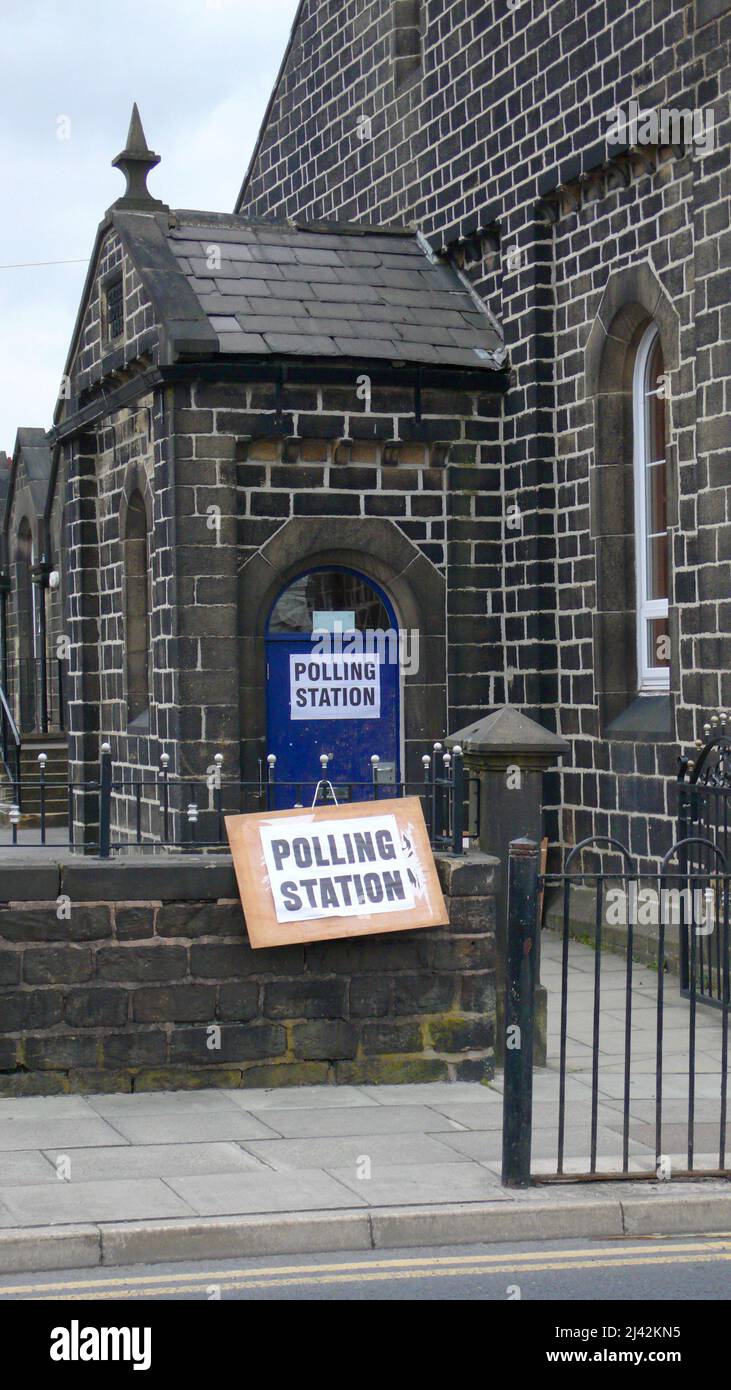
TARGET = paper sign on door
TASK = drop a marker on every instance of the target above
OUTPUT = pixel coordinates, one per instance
(334, 687)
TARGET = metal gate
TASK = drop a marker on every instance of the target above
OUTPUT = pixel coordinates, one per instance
(704, 788)
(642, 1092)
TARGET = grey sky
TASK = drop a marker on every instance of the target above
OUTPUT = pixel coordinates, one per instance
(201, 72)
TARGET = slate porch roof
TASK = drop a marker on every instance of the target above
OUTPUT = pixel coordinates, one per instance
(32, 446)
(331, 290)
(32, 449)
(224, 285)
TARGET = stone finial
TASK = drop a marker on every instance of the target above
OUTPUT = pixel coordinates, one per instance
(135, 162)
(507, 736)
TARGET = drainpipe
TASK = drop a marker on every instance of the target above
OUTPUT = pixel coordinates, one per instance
(39, 575)
(4, 591)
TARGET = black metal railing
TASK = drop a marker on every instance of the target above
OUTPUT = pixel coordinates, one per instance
(36, 693)
(691, 902)
(161, 810)
(704, 824)
(10, 743)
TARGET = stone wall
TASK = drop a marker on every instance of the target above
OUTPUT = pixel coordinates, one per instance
(98, 471)
(322, 483)
(139, 976)
(247, 487)
(505, 119)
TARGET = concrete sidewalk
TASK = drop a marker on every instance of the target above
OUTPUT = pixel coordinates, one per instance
(159, 1176)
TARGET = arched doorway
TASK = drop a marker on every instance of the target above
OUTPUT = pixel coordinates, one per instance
(333, 684)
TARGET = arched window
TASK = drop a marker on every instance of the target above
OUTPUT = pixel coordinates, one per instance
(137, 608)
(652, 549)
(323, 598)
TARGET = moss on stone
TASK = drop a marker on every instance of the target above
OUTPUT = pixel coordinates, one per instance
(35, 1083)
(90, 1082)
(186, 1079)
(461, 1034)
(390, 1071)
(287, 1074)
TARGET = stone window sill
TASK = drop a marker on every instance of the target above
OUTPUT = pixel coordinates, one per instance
(648, 719)
(141, 724)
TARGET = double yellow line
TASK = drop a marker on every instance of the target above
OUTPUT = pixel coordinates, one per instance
(714, 1248)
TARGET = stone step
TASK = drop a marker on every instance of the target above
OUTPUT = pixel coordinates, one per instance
(30, 819)
(31, 792)
(32, 804)
(55, 783)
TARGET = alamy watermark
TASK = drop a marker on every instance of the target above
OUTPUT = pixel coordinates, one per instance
(632, 125)
(668, 907)
(393, 646)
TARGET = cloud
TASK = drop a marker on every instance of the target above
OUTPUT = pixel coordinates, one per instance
(201, 72)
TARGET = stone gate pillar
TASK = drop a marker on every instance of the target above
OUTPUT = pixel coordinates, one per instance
(508, 754)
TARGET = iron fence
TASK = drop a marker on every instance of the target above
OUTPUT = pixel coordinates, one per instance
(165, 811)
(9, 743)
(36, 693)
(686, 899)
(704, 789)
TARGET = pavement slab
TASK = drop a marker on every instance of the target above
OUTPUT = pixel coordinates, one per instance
(344, 1151)
(675, 1136)
(159, 1103)
(487, 1147)
(189, 1127)
(56, 1133)
(305, 1098)
(154, 1161)
(265, 1192)
(23, 1168)
(47, 1107)
(471, 1116)
(434, 1092)
(404, 1119)
(397, 1184)
(112, 1200)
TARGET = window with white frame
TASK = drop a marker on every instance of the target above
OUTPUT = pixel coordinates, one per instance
(652, 547)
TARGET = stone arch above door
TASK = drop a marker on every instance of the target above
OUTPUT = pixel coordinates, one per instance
(379, 550)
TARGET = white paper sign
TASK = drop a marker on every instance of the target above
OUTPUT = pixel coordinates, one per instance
(339, 868)
(334, 687)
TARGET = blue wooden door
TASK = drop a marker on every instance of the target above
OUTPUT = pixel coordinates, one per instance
(333, 686)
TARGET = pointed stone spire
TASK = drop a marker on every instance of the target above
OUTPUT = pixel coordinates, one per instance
(135, 162)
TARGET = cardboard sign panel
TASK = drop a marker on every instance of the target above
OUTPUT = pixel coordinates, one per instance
(328, 872)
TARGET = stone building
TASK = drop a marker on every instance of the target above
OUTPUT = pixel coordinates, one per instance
(573, 159)
(265, 428)
(31, 596)
(458, 359)
(454, 373)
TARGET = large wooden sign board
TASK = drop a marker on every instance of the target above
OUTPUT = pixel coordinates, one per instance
(328, 872)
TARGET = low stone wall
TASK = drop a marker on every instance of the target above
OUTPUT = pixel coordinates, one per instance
(138, 975)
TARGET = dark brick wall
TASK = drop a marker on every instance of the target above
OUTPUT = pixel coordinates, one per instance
(20, 642)
(226, 471)
(224, 467)
(437, 480)
(123, 450)
(511, 103)
(124, 994)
